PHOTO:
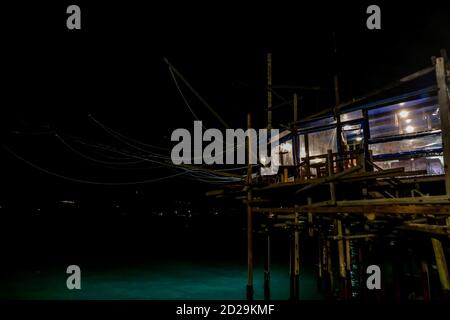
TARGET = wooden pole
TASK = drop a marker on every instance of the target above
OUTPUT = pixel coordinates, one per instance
(425, 280)
(296, 258)
(444, 115)
(330, 166)
(366, 133)
(307, 166)
(310, 219)
(249, 215)
(441, 264)
(295, 102)
(342, 272)
(339, 142)
(330, 287)
(295, 137)
(348, 265)
(269, 91)
(267, 269)
(291, 267)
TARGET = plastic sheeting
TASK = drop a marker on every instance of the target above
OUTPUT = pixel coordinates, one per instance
(322, 141)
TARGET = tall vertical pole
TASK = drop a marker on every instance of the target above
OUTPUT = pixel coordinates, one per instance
(295, 137)
(295, 103)
(267, 269)
(330, 166)
(339, 143)
(366, 133)
(307, 165)
(295, 260)
(336, 90)
(444, 114)
(441, 264)
(249, 215)
(269, 91)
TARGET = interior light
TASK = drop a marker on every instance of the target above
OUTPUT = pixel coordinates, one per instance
(409, 129)
(408, 120)
(263, 160)
(403, 113)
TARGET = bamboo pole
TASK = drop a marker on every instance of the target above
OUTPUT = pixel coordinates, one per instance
(330, 269)
(342, 272)
(307, 161)
(296, 258)
(425, 280)
(295, 103)
(267, 269)
(443, 100)
(310, 219)
(269, 91)
(441, 264)
(249, 215)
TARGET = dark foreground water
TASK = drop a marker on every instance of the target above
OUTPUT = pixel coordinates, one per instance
(159, 280)
(139, 257)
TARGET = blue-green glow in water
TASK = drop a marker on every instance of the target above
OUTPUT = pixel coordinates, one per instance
(162, 280)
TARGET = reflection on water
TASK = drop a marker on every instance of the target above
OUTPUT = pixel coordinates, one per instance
(160, 280)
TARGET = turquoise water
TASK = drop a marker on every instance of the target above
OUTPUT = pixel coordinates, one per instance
(161, 280)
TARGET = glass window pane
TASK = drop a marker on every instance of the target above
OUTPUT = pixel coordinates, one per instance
(284, 156)
(403, 118)
(322, 141)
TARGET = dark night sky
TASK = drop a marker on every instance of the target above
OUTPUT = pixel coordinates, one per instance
(114, 69)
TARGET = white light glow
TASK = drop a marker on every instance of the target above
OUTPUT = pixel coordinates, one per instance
(263, 160)
(403, 113)
(408, 120)
(409, 129)
(359, 139)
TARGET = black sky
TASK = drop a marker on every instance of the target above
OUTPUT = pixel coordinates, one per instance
(113, 68)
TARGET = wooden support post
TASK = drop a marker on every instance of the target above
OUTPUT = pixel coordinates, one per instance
(295, 137)
(342, 272)
(307, 166)
(295, 103)
(292, 286)
(285, 174)
(348, 259)
(294, 261)
(441, 264)
(341, 256)
(348, 265)
(269, 91)
(296, 258)
(339, 142)
(443, 101)
(425, 280)
(267, 269)
(310, 219)
(321, 258)
(366, 133)
(331, 173)
(330, 269)
(249, 215)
